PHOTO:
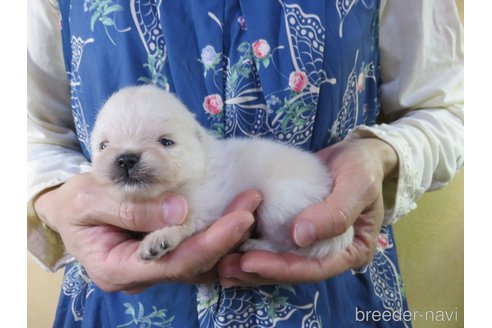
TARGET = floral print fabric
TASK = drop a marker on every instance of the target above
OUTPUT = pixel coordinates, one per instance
(300, 72)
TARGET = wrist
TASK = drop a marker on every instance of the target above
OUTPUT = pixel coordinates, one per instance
(375, 141)
(381, 153)
(387, 155)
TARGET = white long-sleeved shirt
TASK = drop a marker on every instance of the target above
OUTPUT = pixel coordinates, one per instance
(421, 45)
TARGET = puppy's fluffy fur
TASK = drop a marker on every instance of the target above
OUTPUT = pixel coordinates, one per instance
(145, 142)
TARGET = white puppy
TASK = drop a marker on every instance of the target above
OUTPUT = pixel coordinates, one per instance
(145, 142)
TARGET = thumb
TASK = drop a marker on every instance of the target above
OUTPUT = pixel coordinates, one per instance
(174, 209)
(146, 216)
(329, 218)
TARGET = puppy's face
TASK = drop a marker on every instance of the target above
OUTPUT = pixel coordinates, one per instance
(146, 142)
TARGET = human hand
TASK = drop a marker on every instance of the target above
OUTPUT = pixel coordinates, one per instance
(358, 168)
(97, 231)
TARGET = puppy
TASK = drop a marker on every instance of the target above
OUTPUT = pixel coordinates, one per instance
(145, 142)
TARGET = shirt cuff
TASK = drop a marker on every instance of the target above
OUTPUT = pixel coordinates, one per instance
(44, 244)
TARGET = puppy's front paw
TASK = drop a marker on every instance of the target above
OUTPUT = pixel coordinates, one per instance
(156, 244)
(150, 251)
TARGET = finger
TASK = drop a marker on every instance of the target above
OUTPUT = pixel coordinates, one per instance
(230, 273)
(292, 268)
(174, 209)
(248, 200)
(208, 277)
(331, 217)
(228, 283)
(194, 256)
(150, 215)
(251, 281)
(229, 266)
(169, 209)
(202, 251)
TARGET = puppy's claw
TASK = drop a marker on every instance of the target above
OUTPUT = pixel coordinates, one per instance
(143, 259)
(158, 244)
(148, 256)
(153, 252)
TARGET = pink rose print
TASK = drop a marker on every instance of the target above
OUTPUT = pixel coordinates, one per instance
(383, 242)
(261, 49)
(213, 104)
(297, 81)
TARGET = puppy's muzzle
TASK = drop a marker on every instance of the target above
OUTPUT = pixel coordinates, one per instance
(126, 164)
(127, 161)
(129, 170)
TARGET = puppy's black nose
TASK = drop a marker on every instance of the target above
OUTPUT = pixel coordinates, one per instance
(127, 161)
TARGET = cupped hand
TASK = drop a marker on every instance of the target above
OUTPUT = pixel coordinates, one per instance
(358, 167)
(99, 232)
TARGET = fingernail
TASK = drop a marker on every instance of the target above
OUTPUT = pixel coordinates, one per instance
(304, 233)
(241, 227)
(255, 203)
(174, 210)
(248, 269)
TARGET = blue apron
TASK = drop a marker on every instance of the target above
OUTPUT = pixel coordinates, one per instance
(299, 72)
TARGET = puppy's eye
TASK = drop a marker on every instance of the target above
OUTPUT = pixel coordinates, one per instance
(166, 142)
(103, 145)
